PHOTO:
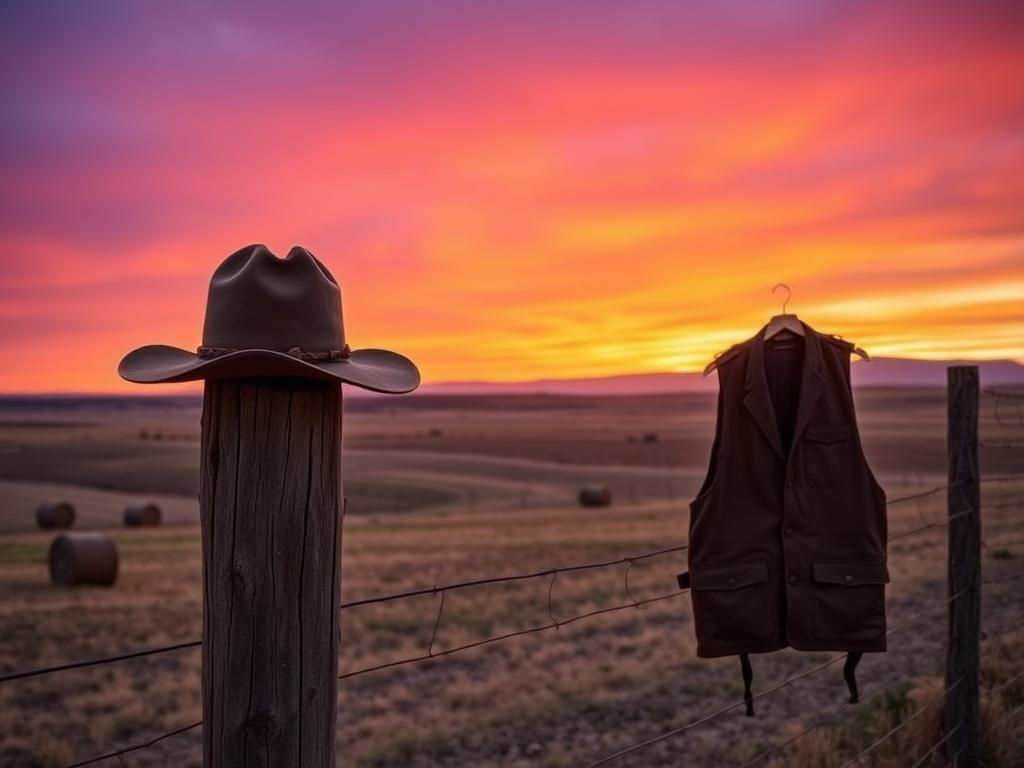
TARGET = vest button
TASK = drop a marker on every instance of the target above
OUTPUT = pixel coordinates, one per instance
(793, 578)
(732, 582)
(849, 579)
(788, 531)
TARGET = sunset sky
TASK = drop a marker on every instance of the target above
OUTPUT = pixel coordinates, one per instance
(513, 191)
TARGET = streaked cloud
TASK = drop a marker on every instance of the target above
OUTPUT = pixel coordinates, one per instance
(525, 191)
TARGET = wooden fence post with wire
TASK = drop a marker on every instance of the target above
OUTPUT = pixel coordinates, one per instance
(964, 555)
(270, 506)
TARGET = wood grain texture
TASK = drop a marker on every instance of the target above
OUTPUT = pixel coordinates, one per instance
(271, 512)
(964, 552)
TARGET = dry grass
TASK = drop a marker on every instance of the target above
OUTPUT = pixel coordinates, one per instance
(557, 698)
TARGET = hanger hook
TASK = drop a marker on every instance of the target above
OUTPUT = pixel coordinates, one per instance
(789, 294)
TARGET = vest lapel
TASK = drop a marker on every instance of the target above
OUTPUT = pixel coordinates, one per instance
(811, 382)
(757, 398)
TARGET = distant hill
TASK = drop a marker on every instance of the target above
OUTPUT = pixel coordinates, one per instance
(881, 371)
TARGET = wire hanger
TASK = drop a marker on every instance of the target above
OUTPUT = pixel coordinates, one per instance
(783, 322)
(778, 324)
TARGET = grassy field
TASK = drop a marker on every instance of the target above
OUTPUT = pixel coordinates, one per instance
(484, 488)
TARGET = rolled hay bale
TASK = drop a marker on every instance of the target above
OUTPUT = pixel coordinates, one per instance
(83, 558)
(595, 496)
(60, 514)
(142, 515)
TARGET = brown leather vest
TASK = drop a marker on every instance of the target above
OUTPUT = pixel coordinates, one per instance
(788, 531)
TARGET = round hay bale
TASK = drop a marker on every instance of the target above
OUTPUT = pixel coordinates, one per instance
(595, 496)
(142, 515)
(60, 514)
(83, 558)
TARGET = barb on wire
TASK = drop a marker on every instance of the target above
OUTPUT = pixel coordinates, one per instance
(551, 608)
(901, 725)
(437, 623)
(629, 592)
(137, 746)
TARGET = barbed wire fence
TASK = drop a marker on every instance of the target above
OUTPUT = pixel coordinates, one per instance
(627, 563)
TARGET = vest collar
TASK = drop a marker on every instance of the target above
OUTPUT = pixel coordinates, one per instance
(758, 399)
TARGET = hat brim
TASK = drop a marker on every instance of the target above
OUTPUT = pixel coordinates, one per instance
(378, 370)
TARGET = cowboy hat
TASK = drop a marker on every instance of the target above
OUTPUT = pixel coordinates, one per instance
(267, 316)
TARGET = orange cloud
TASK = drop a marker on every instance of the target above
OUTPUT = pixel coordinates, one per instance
(502, 202)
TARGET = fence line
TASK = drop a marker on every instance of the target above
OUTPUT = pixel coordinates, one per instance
(134, 747)
(555, 624)
(628, 561)
(903, 724)
(553, 572)
(762, 694)
(514, 577)
(880, 688)
(508, 635)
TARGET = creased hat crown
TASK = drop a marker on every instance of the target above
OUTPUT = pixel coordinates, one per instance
(258, 301)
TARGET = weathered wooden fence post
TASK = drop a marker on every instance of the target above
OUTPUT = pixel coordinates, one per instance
(964, 553)
(270, 504)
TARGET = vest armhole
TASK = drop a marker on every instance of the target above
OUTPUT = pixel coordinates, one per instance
(852, 405)
(712, 471)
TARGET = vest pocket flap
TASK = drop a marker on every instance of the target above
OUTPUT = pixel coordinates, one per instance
(851, 574)
(827, 433)
(733, 577)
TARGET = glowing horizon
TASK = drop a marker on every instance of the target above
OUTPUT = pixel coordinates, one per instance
(551, 191)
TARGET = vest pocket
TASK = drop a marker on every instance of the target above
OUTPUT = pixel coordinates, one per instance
(849, 599)
(828, 457)
(733, 606)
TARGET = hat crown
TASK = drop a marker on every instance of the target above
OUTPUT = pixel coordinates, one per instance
(259, 301)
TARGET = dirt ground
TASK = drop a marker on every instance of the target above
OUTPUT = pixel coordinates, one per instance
(484, 488)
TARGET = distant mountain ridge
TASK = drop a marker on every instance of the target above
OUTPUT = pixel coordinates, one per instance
(881, 371)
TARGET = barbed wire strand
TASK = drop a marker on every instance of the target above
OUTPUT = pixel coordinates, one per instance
(92, 662)
(425, 657)
(769, 691)
(509, 635)
(626, 560)
(134, 747)
(513, 577)
(1006, 395)
(901, 725)
(878, 689)
(353, 604)
(845, 707)
(949, 734)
